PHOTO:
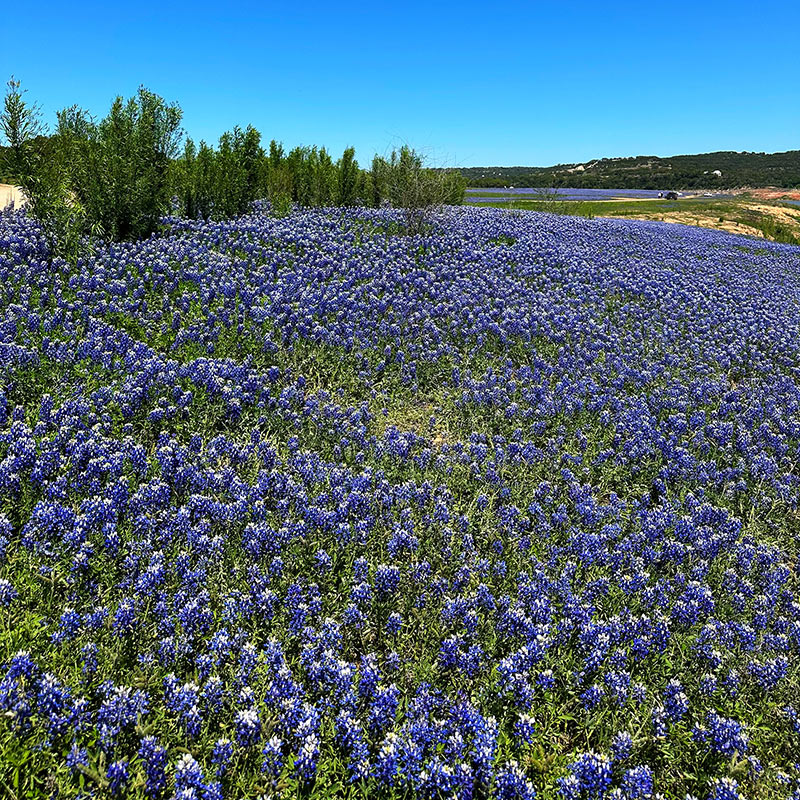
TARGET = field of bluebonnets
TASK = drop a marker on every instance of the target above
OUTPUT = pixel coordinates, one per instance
(306, 506)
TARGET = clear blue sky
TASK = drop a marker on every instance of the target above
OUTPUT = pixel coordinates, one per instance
(469, 83)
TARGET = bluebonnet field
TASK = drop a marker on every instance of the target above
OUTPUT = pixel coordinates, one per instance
(306, 506)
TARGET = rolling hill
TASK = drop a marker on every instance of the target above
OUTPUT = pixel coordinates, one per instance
(719, 170)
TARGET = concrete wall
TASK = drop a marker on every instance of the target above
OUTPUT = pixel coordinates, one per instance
(10, 194)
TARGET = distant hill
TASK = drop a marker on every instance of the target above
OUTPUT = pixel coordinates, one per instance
(723, 170)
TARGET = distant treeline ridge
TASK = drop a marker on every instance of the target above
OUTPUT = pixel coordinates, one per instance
(720, 170)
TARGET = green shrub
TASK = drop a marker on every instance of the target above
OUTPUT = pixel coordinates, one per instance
(32, 162)
(118, 168)
(403, 181)
(117, 178)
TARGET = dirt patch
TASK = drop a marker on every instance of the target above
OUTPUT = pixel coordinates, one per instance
(775, 194)
(415, 417)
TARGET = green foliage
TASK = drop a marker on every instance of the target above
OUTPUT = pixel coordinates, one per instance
(107, 178)
(224, 182)
(204, 184)
(348, 185)
(118, 167)
(38, 168)
(116, 178)
(281, 205)
(403, 181)
(278, 180)
(776, 231)
(377, 182)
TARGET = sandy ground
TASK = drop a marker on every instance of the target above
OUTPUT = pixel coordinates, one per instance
(695, 216)
(775, 194)
(10, 194)
(785, 215)
(710, 222)
(686, 218)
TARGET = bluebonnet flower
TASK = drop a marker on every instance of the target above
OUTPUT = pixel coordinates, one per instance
(618, 685)
(725, 736)
(708, 684)
(351, 738)
(676, 703)
(188, 775)
(438, 778)
(388, 760)
(221, 756)
(546, 679)
(248, 727)
(621, 746)
(121, 709)
(213, 791)
(77, 757)
(361, 569)
(590, 776)
(511, 783)
(118, 776)
(387, 579)
(769, 672)
(792, 715)
(524, 728)
(272, 753)
(393, 624)
(306, 761)
(637, 783)
(184, 701)
(592, 696)
(154, 759)
(125, 618)
(322, 561)
(8, 594)
(69, 626)
(383, 707)
(392, 662)
(659, 719)
(725, 789)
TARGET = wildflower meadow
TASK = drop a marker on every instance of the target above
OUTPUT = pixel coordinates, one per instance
(314, 506)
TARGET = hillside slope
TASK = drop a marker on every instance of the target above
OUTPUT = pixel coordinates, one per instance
(652, 172)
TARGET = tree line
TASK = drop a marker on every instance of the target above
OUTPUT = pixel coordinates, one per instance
(117, 177)
(652, 172)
